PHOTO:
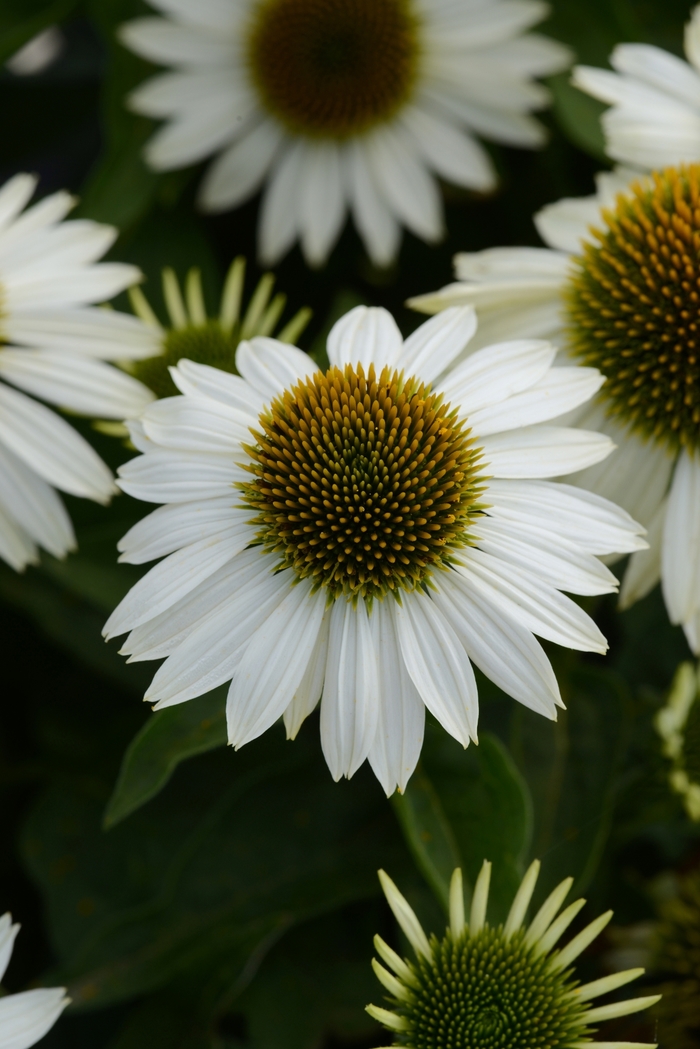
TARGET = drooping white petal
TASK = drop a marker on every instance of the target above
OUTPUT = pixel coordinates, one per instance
(404, 181)
(163, 41)
(52, 448)
(502, 649)
(680, 552)
(26, 1017)
(308, 694)
(279, 211)
(375, 222)
(449, 151)
(273, 664)
(433, 346)
(366, 335)
(538, 607)
(543, 451)
(15, 195)
(644, 569)
(322, 201)
(8, 930)
(491, 375)
(240, 170)
(438, 665)
(397, 744)
(35, 506)
(560, 391)
(16, 547)
(350, 703)
(175, 525)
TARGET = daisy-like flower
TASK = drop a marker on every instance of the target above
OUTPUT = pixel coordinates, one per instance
(198, 337)
(678, 724)
(28, 1016)
(341, 105)
(361, 534)
(618, 289)
(655, 98)
(510, 985)
(54, 345)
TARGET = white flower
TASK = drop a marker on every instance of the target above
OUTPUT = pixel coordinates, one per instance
(25, 1017)
(341, 105)
(655, 96)
(655, 471)
(353, 536)
(54, 345)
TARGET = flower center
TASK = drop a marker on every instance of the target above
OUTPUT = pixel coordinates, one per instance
(484, 992)
(333, 68)
(634, 307)
(362, 483)
(206, 343)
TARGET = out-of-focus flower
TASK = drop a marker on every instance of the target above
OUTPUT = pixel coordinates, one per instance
(678, 724)
(38, 54)
(55, 346)
(484, 986)
(341, 105)
(362, 534)
(25, 1017)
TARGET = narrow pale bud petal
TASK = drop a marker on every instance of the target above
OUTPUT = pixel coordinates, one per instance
(405, 916)
(141, 307)
(456, 903)
(606, 984)
(383, 1016)
(173, 299)
(195, 297)
(257, 305)
(520, 904)
(632, 1005)
(388, 955)
(392, 985)
(579, 943)
(547, 912)
(480, 899)
(232, 294)
(558, 927)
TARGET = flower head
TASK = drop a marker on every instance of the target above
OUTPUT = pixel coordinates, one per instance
(341, 104)
(675, 956)
(55, 346)
(678, 724)
(25, 1017)
(508, 986)
(203, 339)
(359, 535)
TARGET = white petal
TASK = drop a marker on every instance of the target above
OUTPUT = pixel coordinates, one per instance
(692, 38)
(644, 569)
(593, 523)
(271, 366)
(349, 708)
(166, 42)
(26, 1017)
(52, 448)
(397, 744)
(195, 424)
(79, 384)
(506, 264)
(14, 196)
(89, 331)
(543, 451)
(8, 931)
(204, 381)
(240, 170)
(561, 390)
(680, 556)
(165, 476)
(322, 201)
(220, 16)
(69, 287)
(564, 224)
(279, 211)
(210, 653)
(35, 506)
(494, 373)
(523, 597)
(652, 65)
(273, 664)
(451, 152)
(502, 649)
(375, 222)
(366, 335)
(404, 182)
(177, 575)
(438, 665)
(16, 547)
(170, 527)
(308, 694)
(433, 346)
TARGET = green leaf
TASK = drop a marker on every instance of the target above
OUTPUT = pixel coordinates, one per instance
(193, 889)
(428, 834)
(573, 767)
(468, 806)
(579, 116)
(20, 20)
(168, 737)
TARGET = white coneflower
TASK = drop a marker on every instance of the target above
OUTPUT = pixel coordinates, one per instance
(497, 987)
(25, 1017)
(654, 121)
(362, 533)
(341, 105)
(618, 291)
(55, 346)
